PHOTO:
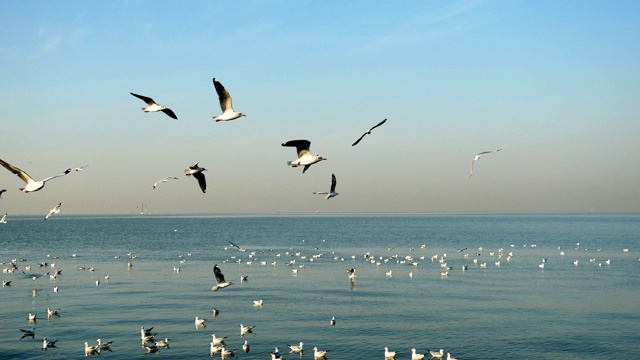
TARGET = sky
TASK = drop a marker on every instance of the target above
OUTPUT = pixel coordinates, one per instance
(554, 84)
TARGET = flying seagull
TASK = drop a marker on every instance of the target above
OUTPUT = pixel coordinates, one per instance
(225, 104)
(221, 283)
(53, 211)
(32, 185)
(368, 132)
(4, 219)
(478, 157)
(164, 180)
(331, 193)
(79, 168)
(304, 156)
(196, 171)
(154, 107)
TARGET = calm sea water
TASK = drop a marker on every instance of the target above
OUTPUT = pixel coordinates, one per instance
(512, 311)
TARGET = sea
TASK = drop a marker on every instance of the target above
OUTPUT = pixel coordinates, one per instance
(410, 290)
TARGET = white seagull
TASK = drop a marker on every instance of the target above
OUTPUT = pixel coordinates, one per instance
(257, 302)
(221, 283)
(4, 219)
(90, 350)
(164, 180)
(200, 322)
(225, 104)
(48, 344)
(246, 329)
(32, 185)
(449, 357)
(304, 156)
(245, 346)
(416, 356)
(296, 348)
(368, 132)
(319, 353)
(332, 192)
(478, 157)
(196, 171)
(437, 354)
(53, 211)
(217, 341)
(352, 273)
(389, 354)
(104, 345)
(154, 107)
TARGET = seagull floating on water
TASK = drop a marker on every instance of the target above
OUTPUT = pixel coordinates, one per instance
(225, 104)
(196, 171)
(257, 302)
(368, 132)
(154, 107)
(478, 157)
(32, 185)
(221, 282)
(245, 346)
(437, 354)
(332, 192)
(90, 350)
(319, 353)
(48, 344)
(164, 180)
(246, 329)
(389, 354)
(449, 357)
(217, 341)
(163, 343)
(416, 356)
(27, 333)
(104, 345)
(352, 273)
(304, 156)
(296, 348)
(200, 322)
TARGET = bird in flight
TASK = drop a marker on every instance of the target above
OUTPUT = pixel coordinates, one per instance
(478, 157)
(32, 185)
(332, 192)
(304, 156)
(368, 132)
(164, 180)
(196, 171)
(154, 107)
(228, 113)
(53, 211)
(221, 283)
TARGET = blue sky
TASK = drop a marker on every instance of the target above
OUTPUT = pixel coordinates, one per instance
(554, 84)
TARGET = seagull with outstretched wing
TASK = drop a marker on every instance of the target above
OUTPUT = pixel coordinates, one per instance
(32, 185)
(221, 282)
(155, 107)
(368, 132)
(478, 157)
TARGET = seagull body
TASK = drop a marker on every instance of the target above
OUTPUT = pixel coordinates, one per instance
(104, 346)
(333, 321)
(51, 313)
(296, 348)
(163, 343)
(478, 157)
(389, 354)
(27, 333)
(32, 317)
(154, 107)
(227, 353)
(217, 341)
(352, 273)
(53, 211)
(319, 353)
(332, 192)
(257, 302)
(196, 171)
(368, 132)
(48, 344)
(164, 180)
(221, 283)
(245, 346)
(32, 185)
(225, 104)
(275, 355)
(200, 322)
(416, 356)
(246, 329)
(304, 156)
(90, 350)
(449, 357)
(437, 354)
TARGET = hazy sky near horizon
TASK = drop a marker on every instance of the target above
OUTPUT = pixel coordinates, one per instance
(555, 84)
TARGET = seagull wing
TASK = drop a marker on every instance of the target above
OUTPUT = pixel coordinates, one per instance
(56, 176)
(234, 245)
(321, 193)
(21, 174)
(360, 138)
(380, 123)
(170, 113)
(305, 168)
(218, 274)
(223, 96)
(333, 183)
(302, 146)
(201, 181)
(147, 100)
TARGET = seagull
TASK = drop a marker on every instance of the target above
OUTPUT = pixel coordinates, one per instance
(389, 354)
(26, 333)
(227, 353)
(32, 317)
(275, 355)
(319, 353)
(478, 157)
(104, 346)
(32, 185)
(48, 344)
(331, 193)
(6, 283)
(225, 104)
(246, 329)
(296, 348)
(416, 356)
(245, 346)
(196, 171)
(163, 343)
(154, 107)
(53, 211)
(51, 313)
(236, 246)
(368, 132)
(449, 357)
(164, 180)
(217, 341)
(437, 354)
(333, 321)
(90, 350)
(200, 322)
(257, 302)
(221, 283)
(145, 332)
(79, 168)
(352, 273)
(304, 156)
(152, 349)
(4, 219)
